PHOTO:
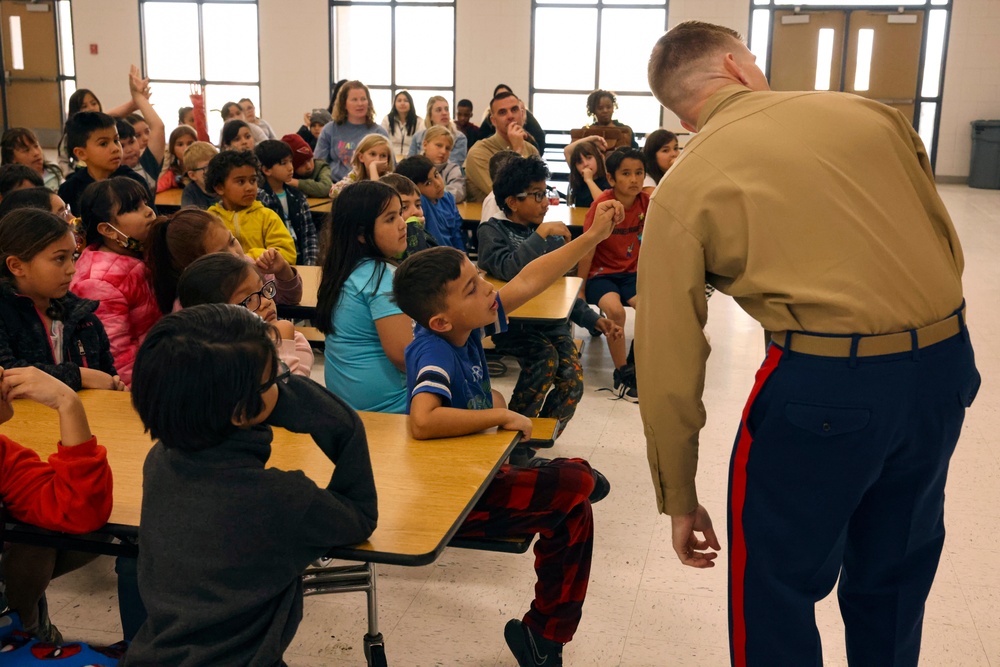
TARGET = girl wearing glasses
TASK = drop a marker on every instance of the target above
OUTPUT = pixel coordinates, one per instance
(366, 332)
(225, 278)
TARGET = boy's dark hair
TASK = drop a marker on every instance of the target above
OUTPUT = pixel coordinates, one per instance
(105, 200)
(416, 168)
(271, 152)
(125, 129)
(212, 279)
(420, 285)
(230, 131)
(83, 124)
(37, 197)
(219, 166)
(515, 177)
(498, 160)
(12, 175)
(399, 183)
(197, 370)
(464, 103)
(617, 156)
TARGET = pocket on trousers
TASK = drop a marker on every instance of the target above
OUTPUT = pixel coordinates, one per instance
(967, 394)
(827, 420)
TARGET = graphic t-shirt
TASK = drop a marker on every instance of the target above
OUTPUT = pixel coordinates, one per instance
(457, 374)
(619, 253)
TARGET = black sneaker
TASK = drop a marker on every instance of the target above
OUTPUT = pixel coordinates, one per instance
(602, 487)
(530, 649)
(628, 379)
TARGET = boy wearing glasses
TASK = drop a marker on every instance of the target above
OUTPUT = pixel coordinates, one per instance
(441, 217)
(196, 159)
(551, 379)
(609, 270)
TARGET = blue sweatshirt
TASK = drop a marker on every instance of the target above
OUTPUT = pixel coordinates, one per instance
(443, 221)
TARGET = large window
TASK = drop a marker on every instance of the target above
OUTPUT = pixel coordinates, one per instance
(578, 46)
(892, 51)
(211, 43)
(385, 45)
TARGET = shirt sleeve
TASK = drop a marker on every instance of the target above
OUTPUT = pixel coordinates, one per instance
(380, 301)
(499, 257)
(460, 150)
(297, 355)
(433, 366)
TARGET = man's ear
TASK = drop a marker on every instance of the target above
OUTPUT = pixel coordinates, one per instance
(15, 266)
(439, 323)
(734, 69)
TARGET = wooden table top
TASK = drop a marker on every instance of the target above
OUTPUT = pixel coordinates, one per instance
(171, 199)
(425, 488)
(553, 305)
(573, 216)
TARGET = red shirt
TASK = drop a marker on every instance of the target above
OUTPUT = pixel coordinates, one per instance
(70, 493)
(619, 253)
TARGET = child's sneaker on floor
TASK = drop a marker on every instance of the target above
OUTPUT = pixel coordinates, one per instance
(531, 650)
(625, 384)
(45, 631)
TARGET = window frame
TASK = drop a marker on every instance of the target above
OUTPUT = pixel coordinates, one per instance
(202, 81)
(393, 87)
(918, 98)
(600, 6)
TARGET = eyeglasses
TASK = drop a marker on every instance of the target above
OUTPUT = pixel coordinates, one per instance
(198, 169)
(539, 195)
(66, 214)
(282, 377)
(253, 301)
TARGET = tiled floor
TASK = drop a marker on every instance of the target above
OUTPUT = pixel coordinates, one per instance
(643, 607)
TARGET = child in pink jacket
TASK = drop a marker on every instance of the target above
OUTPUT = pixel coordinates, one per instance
(117, 217)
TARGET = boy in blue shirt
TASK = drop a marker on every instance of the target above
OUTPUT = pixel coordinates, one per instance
(449, 391)
(441, 216)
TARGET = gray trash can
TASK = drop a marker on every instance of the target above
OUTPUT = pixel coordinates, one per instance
(984, 168)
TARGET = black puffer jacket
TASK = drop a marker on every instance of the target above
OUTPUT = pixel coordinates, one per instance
(25, 342)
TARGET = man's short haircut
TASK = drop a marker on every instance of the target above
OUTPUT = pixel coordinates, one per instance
(677, 55)
(401, 184)
(125, 129)
(222, 164)
(13, 174)
(464, 103)
(614, 161)
(435, 131)
(498, 160)
(500, 96)
(197, 152)
(420, 284)
(83, 124)
(272, 151)
(197, 370)
(416, 168)
(515, 177)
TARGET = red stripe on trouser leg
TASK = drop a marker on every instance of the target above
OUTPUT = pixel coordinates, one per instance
(738, 547)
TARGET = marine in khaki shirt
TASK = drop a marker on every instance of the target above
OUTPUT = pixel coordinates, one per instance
(507, 114)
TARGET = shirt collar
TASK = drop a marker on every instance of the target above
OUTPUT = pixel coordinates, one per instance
(719, 99)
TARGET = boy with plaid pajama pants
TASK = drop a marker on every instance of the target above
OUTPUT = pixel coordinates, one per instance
(449, 392)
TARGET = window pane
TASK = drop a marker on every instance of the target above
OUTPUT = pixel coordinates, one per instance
(849, 3)
(758, 36)
(66, 39)
(640, 112)
(69, 87)
(627, 37)
(381, 102)
(355, 57)
(230, 42)
(563, 63)
(933, 52)
(420, 98)
(567, 2)
(560, 112)
(634, 2)
(928, 111)
(216, 96)
(168, 98)
(170, 34)
(433, 65)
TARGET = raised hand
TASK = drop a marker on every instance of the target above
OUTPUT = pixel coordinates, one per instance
(272, 261)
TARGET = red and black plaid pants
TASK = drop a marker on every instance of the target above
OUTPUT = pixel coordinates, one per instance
(552, 502)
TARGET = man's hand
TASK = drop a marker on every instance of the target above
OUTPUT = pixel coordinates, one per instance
(516, 136)
(606, 217)
(547, 229)
(517, 422)
(273, 262)
(689, 548)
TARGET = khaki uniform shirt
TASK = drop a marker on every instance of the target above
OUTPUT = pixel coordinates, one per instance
(477, 164)
(815, 212)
